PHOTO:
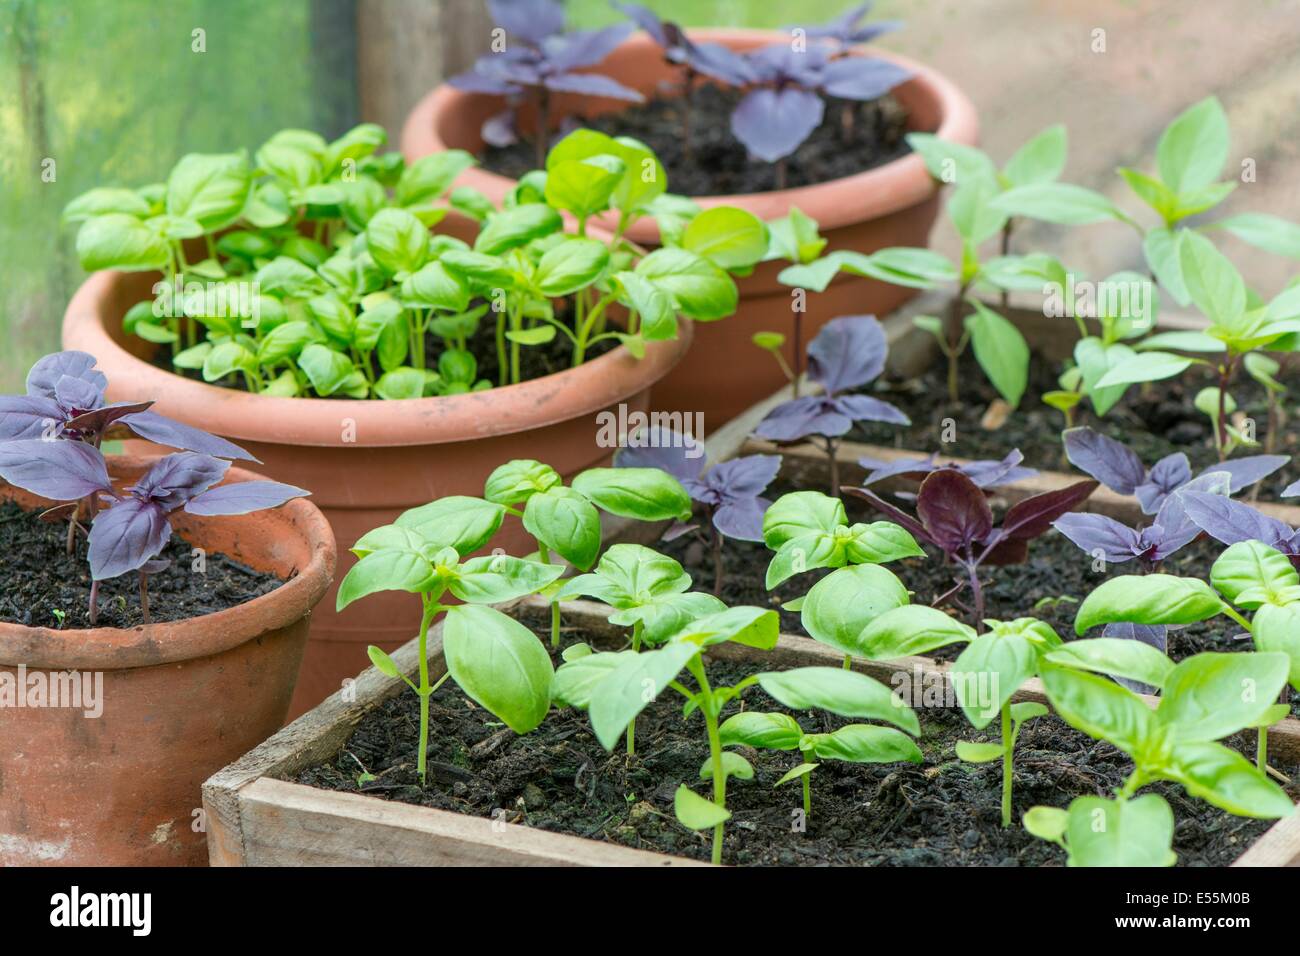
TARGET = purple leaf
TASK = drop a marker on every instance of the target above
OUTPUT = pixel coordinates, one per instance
(155, 428)
(481, 81)
(720, 62)
(499, 129)
(1093, 532)
(58, 470)
(681, 456)
(77, 395)
(848, 353)
(1246, 471)
(989, 474)
(772, 124)
(97, 422)
(864, 408)
(1112, 463)
(1155, 635)
(878, 471)
(176, 479)
(862, 78)
(742, 520)
(845, 30)
(802, 417)
(954, 511)
(1230, 522)
(241, 497)
(531, 20)
(1177, 527)
(783, 63)
(647, 20)
(125, 537)
(1171, 472)
(896, 515)
(1291, 490)
(570, 51)
(44, 376)
(28, 416)
(156, 566)
(743, 478)
(1031, 517)
(592, 84)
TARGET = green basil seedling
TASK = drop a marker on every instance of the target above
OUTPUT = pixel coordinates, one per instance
(649, 592)
(565, 520)
(614, 687)
(841, 692)
(494, 659)
(1095, 831)
(1249, 574)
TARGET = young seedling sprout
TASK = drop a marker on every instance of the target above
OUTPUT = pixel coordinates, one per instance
(494, 659)
(730, 491)
(565, 520)
(848, 353)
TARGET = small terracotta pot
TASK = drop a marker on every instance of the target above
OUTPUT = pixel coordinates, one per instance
(891, 205)
(365, 462)
(179, 701)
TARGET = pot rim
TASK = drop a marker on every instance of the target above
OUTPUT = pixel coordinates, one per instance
(870, 194)
(170, 642)
(597, 384)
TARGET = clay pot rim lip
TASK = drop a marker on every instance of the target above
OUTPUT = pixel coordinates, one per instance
(575, 392)
(883, 189)
(169, 642)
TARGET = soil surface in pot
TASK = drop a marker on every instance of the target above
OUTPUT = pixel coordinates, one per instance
(535, 361)
(941, 812)
(1154, 421)
(1048, 586)
(38, 577)
(718, 164)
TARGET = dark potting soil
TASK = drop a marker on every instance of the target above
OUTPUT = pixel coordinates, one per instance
(939, 813)
(38, 577)
(717, 163)
(1154, 421)
(535, 361)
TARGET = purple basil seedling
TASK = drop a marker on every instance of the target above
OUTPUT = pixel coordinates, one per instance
(542, 60)
(986, 473)
(953, 514)
(730, 491)
(848, 353)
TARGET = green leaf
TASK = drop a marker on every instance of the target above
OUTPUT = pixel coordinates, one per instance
(733, 765)
(751, 626)
(1277, 630)
(1194, 147)
(293, 165)
(1001, 351)
(846, 693)
(866, 743)
(972, 752)
(1270, 233)
(576, 679)
(951, 162)
(398, 242)
(518, 480)
(103, 200)
(360, 141)
(799, 512)
(1212, 281)
(383, 663)
(795, 238)
(570, 265)
(436, 287)
(796, 773)
(1211, 695)
(1148, 599)
(1161, 247)
(122, 243)
(1252, 566)
(517, 227)
(1038, 161)
(224, 358)
(1152, 192)
(1027, 710)
(654, 305)
(839, 607)
(400, 383)
(765, 731)
(326, 369)
(426, 179)
(1100, 708)
(901, 265)
(211, 189)
(1095, 361)
(911, 629)
(457, 521)
(728, 237)
(629, 576)
(494, 578)
(1046, 823)
(989, 671)
(499, 663)
(1061, 203)
(1117, 657)
(287, 277)
(696, 813)
(699, 288)
(584, 187)
(816, 275)
(973, 212)
(386, 570)
(645, 493)
(1226, 779)
(643, 180)
(666, 615)
(1120, 833)
(566, 522)
(631, 687)
(1145, 367)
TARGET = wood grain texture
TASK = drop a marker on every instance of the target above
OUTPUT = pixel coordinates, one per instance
(1280, 846)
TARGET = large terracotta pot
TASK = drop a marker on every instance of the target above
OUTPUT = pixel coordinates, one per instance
(179, 701)
(365, 462)
(892, 205)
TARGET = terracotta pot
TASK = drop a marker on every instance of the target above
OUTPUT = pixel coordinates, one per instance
(179, 700)
(365, 462)
(891, 205)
